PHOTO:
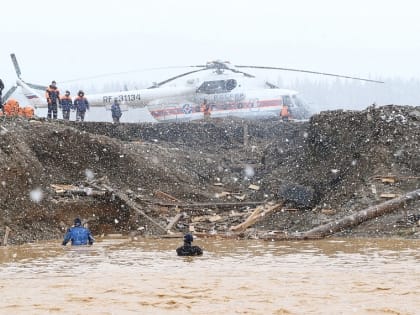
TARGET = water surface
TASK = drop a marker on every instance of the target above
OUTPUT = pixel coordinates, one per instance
(120, 276)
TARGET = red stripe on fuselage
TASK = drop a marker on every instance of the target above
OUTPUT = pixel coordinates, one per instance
(160, 114)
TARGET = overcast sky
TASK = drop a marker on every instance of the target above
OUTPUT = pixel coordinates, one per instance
(62, 40)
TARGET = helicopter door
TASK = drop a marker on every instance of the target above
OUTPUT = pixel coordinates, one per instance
(287, 100)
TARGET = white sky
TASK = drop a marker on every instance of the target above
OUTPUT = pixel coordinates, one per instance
(68, 39)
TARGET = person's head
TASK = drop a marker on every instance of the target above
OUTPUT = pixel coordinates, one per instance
(81, 93)
(53, 84)
(188, 238)
(77, 222)
(116, 101)
(67, 93)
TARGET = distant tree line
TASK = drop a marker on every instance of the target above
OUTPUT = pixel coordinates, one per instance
(352, 94)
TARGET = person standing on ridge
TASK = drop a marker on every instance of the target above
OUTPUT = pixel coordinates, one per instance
(66, 105)
(116, 111)
(81, 104)
(1, 93)
(52, 94)
(285, 113)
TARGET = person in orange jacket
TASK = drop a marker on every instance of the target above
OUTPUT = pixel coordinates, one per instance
(52, 94)
(206, 109)
(285, 113)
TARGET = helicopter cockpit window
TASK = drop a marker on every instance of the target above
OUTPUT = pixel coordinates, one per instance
(298, 101)
(230, 84)
(219, 86)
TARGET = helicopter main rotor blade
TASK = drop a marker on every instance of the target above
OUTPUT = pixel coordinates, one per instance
(16, 65)
(174, 78)
(9, 93)
(37, 86)
(308, 71)
(244, 73)
(103, 75)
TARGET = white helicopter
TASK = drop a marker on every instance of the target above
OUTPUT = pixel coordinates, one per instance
(228, 91)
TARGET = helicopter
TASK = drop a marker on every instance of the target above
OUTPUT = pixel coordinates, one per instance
(227, 89)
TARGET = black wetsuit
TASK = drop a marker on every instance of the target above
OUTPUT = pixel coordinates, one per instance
(189, 250)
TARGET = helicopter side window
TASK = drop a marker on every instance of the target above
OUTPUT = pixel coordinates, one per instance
(219, 86)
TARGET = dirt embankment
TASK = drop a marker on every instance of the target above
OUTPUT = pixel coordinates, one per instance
(326, 168)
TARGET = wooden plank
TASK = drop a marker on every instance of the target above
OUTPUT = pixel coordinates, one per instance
(174, 221)
(6, 236)
(163, 195)
(210, 204)
(328, 211)
(362, 216)
(239, 197)
(390, 179)
(254, 187)
(388, 195)
(209, 218)
(256, 215)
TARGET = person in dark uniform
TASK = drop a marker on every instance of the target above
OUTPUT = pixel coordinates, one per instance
(66, 105)
(187, 249)
(116, 111)
(1, 93)
(81, 104)
(78, 235)
(52, 94)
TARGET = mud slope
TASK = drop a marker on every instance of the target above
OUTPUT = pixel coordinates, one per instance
(325, 168)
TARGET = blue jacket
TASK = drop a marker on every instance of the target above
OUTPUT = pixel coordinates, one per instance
(81, 104)
(66, 103)
(78, 235)
(116, 110)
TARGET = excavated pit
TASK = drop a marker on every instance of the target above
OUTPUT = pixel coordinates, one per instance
(323, 169)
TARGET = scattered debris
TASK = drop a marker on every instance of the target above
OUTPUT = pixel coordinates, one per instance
(6, 235)
(328, 211)
(174, 221)
(256, 215)
(165, 196)
(388, 195)
(254, 187)
(341, 160)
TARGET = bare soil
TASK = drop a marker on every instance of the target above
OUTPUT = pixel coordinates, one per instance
(334, 164)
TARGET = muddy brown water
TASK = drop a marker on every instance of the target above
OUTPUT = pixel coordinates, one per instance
(121, 276)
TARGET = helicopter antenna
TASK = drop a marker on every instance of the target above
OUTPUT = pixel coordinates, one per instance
(308, 71)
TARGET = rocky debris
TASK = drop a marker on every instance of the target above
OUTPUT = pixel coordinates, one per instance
(337, 161)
